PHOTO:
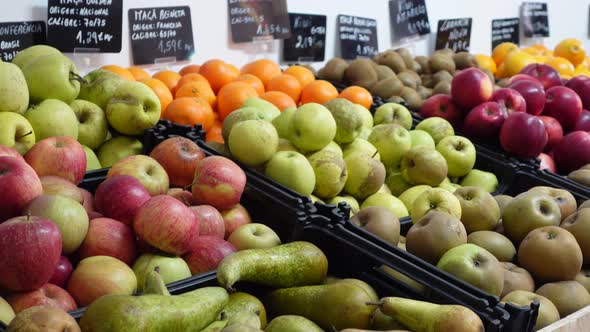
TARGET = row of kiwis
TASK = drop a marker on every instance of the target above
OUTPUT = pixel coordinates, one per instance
(397, 76)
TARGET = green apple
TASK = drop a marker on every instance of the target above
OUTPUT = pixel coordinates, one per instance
(351, 201)
(474, 265)
(494, 242)
(6, 312)
(384, 189)
(448, 185)
(292, 170)
(366, 116)
(409, 195)
(315, 199)
(438, 128)
(365, 175)
(395, 182)
(479, 209)
(349, 122)
(52, 76)
(32, 52)
(312, 127)
(52, 117)
(388, 201)
(253, 142)
(92, 162)
(459, 153)
(392, 141)
(435, 199)
(100, 86)
(171, 268)
(286, 145)
(477, 178)
(269, 110)
(361, 145)
(118, 148)
(393, 113)
(528, 211)
(16, 132)
(254, 236)
(365, 133)
(332, 146)
(282, 122)
(330, 173)
(14, 92)
(92, 123)
(133, 108)
(424, 165)
(548, 313)
(243, 114)
(420, 137)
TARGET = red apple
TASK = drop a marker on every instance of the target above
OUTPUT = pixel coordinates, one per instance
(48, 295)
(206, 253)
(59, 155)
(471, 87)
(210, 221)
(167, 224)
(219, 182)
(88, 201)
(62, 272)
(547, 163)
(523, 135)
(563, 104)
(146, 169)
(94, 215)
(182, 195)
(581, 85)
(572, 152)
(179, 156)
(554, 131)
(522, 77)
(441, 105)
(120, 197)
(511, 99)
(56, 185)
(533, 93)
(583, 122)
(484, 121)
(30, 248)
(548, 76)
(234, 218)
(19, 184)
(8, 151)
(109, 237)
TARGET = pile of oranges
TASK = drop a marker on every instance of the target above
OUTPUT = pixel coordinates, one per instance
(205, 94)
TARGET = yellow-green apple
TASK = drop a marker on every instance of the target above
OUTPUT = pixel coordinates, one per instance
(528, 211)
(547, 75)
(146, 169)
(482, 179)
(579, 225)
(16, 132)
(485, 121)
(30, 248)
(61, 156)
(409, 195)
(118, 148)
(69, 215)
(218, 182)
(120, 197)
(548, 313)
(509, 99)
(563, 104)
(172, 268)
(420, 137)
(92, 123)
(6, 312)
(253, 142)
(52, 76)
(332, 146)
(182, 195)
(306, 135)
(516, 278)
(63, 271)
(97, 276)
(435, 199)
(234, 218)
(424, 165)
(14, 92)
(19, 184)
(56, 185)
(109, 237)
(393, 113)
(479, 209)
(388, 201)
(351, 201)
(179, 156)
(253, 236)
(268, 109)
(395, 182)
(250, 112)
(392, 141)
(330, 173)
(471, 87)
(437, 127)
(133, 108)
(10, 152)
(167, 224)
(533, 93)
(583, 122)
(52, 117)
(92, 162)
(359, 145)
(442, 106)
(572, 152)
(379, 221)
(564, 199)
(32, 52)
(282, 122)
(475, 266)
(292, 170)
(286, 145)
(349, 122)
(368, 121)
(48, 295)
(206, 252)
(100, 86)
(494, 242)
(366, 175)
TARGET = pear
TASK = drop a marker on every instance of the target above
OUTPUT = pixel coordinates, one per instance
(245, 318)
(43, 319)
(244, 302)
(370, 291)
(241, 328)
(14, 92)
(216, 326)
(33, 52)
(154, 284)
(428, 317)
(52, 76)
(292, 323)
(293, 264)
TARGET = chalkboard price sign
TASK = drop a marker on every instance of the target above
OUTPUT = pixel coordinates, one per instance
(454, 34)
(408, 18)
(505, 30)
(358, 36)
(535, 19)
(161, 34)
(308, 38)
(16, 36)
(252, 20)
(85, 25)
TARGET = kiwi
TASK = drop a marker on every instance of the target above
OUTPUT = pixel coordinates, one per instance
(423, 62)
(415, 67)
(464, 60)
(440, 62)
(445, 51)
(392, 60)
(387, 87)
(415, 75)
(427, 80)
(441, 76)
(361, 72)
(442, 87)
(334, 70)
(384, 72)
(424, 92)
(397, 100)
(408, 79)
(412, 98)
(406, 55)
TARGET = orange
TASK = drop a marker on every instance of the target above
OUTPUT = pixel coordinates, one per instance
(516, 60)
(214, 134)
(500, 51)
(582, 69)
(232, 96)
(161, 90)
(287, 84)
(280, 99)
(302, 74)
(138, 73)
(532, 50)
(218, 73)
(486, 62)
(254, 81)
(123, 72)
(357, 95)
(190, 111)
(563, 66)
(169, 77)
(264, 69)
(571, 49)
(190, 69)
(197, 89)
(318, 91)
(192, 77)
(501, 72)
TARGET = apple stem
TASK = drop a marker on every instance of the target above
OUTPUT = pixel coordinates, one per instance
(27, 134)
(190, 185)
(379, 304)
(374, 154)
(76, 77)
(230, 289)
(185, 201)
(157, 269)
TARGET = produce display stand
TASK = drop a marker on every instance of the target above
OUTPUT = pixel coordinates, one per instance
(578, 321)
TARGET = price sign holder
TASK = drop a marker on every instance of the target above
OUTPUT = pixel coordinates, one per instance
(454, 34)
(534, 17)
(505, 30)
(409, 19)
(358, 36)
(16, 36)
(308, 38)
(258, 20)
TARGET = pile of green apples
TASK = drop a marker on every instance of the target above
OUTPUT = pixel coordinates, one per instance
(43, 95)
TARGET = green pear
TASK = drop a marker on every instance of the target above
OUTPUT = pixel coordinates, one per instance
(351, 201)
(14, 92)
(293, 264)
(568, 296)
(368, 288)
(292, 323)
(383, 322)
(244, 302)
(312, 127)
(216, 326)
(52, 76)
(388, 201)
(99, 86)
(437, 127)
(409, 196)
(92, 123)
(282, 122)
(292, 170)
(192, 311)
(171, 268)
(420, 137)
(392, 141)
(33, 52)
(361, 145)
(435, 199)
(349, 122)
(478, 178)
(269, 109)
(118, 148)
(52, 117)
(424, 165)
(365, 175)
(330, 173)
(243, 114)
(253, 142)
(92, 162)
(393, 113)
(153, 283)
(244, 318)
(16, 132)
(133, 108)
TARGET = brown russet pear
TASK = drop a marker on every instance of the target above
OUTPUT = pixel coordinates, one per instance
(548, 313)
(578, 223)
(43, 319)
(567, 296)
